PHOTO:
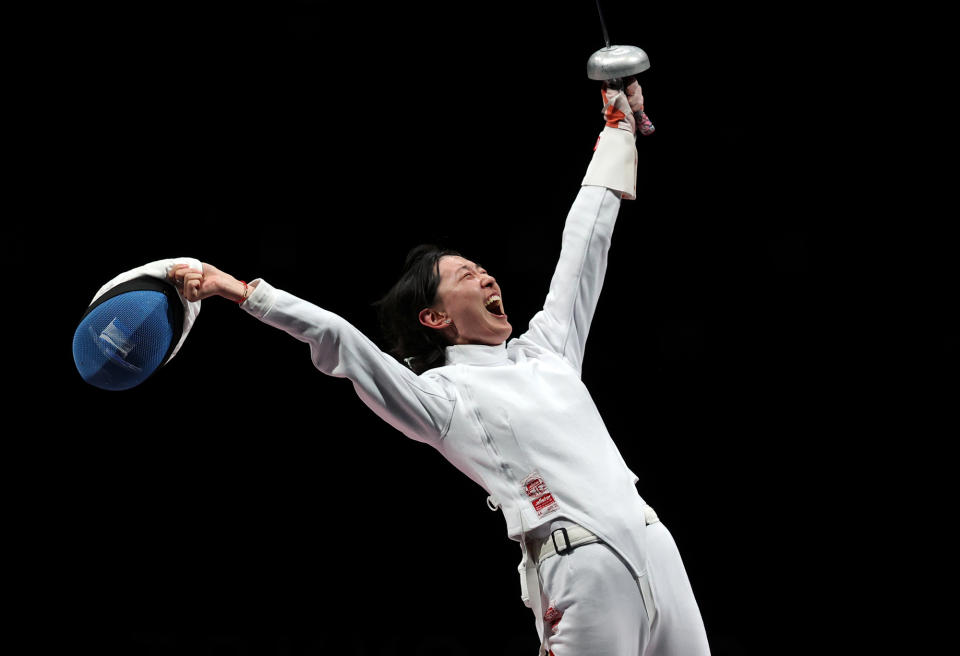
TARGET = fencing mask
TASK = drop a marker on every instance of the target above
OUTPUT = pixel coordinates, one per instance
(135, 324)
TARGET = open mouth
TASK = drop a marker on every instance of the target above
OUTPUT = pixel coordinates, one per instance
(494, 306)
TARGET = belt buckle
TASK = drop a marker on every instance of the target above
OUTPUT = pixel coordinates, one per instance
(566, 538)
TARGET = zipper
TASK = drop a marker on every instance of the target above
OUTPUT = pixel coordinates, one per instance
(489, 443)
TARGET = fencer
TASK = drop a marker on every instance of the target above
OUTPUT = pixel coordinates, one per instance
(600, 571)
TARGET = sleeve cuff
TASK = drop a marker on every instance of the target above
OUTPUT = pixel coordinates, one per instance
(261, 299)
(614, 163)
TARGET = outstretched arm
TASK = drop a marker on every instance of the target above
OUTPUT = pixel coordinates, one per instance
(418, 406)
(564, 323)
(197, 284)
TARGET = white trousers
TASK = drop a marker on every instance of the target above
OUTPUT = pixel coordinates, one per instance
(593, 605)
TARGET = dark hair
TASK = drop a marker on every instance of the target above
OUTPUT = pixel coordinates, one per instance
(415, 345)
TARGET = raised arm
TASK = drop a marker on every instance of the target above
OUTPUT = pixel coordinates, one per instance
(418, 406)
(564, 322)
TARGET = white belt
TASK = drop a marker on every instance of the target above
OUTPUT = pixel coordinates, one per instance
(564, 540)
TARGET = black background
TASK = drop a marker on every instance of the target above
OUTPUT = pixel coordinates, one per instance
(240, 502)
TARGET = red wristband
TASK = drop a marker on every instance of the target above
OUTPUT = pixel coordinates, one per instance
(245, 289)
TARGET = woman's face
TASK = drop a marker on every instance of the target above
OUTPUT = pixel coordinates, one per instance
(469, 298)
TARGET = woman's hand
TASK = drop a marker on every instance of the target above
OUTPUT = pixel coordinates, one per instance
(634, 94)
(196, 285)
(635, 100)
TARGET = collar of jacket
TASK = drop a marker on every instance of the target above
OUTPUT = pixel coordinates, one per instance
(477, 354)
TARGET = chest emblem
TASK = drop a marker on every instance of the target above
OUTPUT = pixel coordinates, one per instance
(539, 494)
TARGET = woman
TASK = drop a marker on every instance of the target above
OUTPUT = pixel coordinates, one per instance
(600, 572)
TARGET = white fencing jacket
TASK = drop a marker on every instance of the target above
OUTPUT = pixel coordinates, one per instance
(516, 418)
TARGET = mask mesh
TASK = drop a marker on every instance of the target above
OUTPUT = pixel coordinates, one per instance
(123, 340)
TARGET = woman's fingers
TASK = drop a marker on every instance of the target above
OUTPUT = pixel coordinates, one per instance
(192, 280)
(176, 273)
(187, 280)
(179, 271)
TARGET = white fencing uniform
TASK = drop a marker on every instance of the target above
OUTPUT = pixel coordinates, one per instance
(517, 419)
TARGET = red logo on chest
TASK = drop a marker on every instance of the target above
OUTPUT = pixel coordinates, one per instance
(535, 487)
(544, 504)
(542, 500)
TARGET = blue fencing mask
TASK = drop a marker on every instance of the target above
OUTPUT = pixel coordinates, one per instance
(128, 332)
